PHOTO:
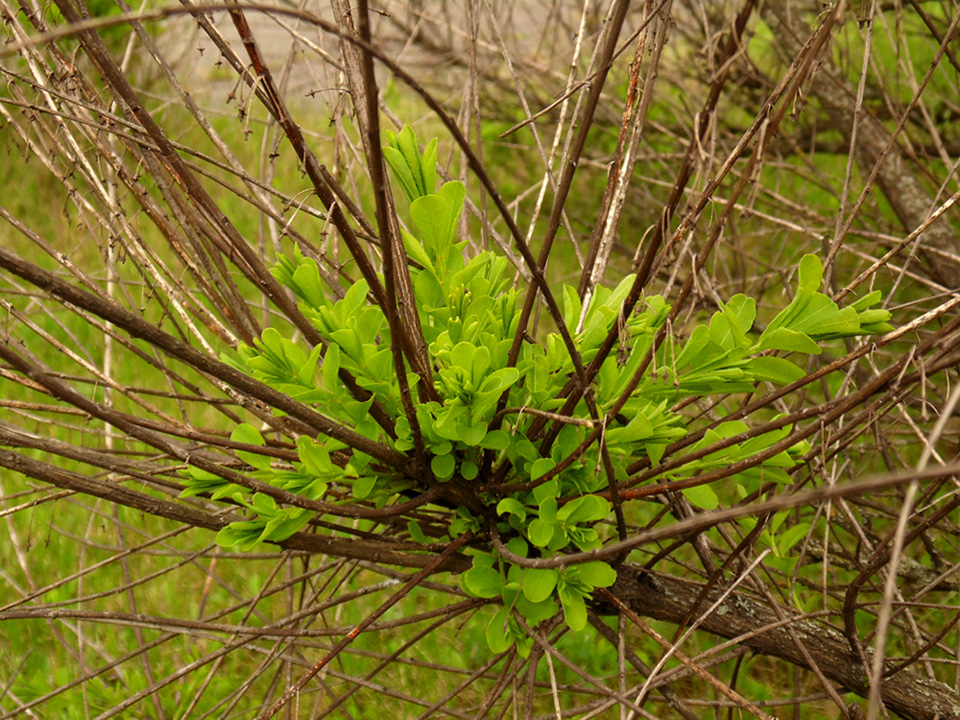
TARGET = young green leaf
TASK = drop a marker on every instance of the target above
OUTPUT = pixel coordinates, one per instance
(811, 274)
(495, 440)
(574, 607)
(792, 536)
(248, 434)
(541, 467)
(443, 466)
(540, 532)
(244, 535)
(782, 338)
(596, 574)
(538, 584)
(499, 637)
(512, 506)
(702, 496)
(363, 486)
(416, 532)
(588, 508)
(482, 582)
(775, 369)
(433, 218)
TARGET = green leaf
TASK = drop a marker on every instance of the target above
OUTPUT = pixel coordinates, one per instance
(228, 490)
(694, 347)
(482, 582)
(548, 509)
(535, 613)
(548, 490)
(447, 424)
(538, 584)
(363, 486)
(789, 340)
(619, 293)
(454, 193)
(353, 299)
(331, 367)
(870, 318)
(428, 291)
(306, 283)
(571, 307)
(541, 467)
(497, 380)
(867, 301)
(443, 466)
(540, 532)
(499, 637)
(741, 311)
(584, 538)
(775, 474)
(639, 428)
(821, 317)
(288, 523)
(480, 365)
(482, 559)
(264, 504)
(724, 333)
(655, 452)
(349, 343)
(495, 440)
(512, 506)
(416, 173)
(244, 535)
(587, 508)
(574, 608)
(428, 167)
(511, 589)
(596, 574)
(417, 252)
(248, 434)
(702, 496)
(775, 369)
(416, 533)
(309, 367)
(402, 172)
(811, 274)
(462, 356)
(255, 460)
(471, 434)
(792, 536)
(518, 546)
(433, 218)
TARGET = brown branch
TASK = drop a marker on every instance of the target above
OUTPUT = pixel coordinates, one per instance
(881, 153)
(669, 599)
(352, 548)
(140, 328)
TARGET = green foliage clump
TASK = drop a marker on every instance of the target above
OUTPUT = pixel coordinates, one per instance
(546, 495)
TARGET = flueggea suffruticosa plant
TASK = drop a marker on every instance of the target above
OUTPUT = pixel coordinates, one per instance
(507, 445)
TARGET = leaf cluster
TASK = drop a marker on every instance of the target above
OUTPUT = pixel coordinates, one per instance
(546, 494)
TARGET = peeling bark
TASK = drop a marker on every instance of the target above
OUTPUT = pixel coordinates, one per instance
(670, 599)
